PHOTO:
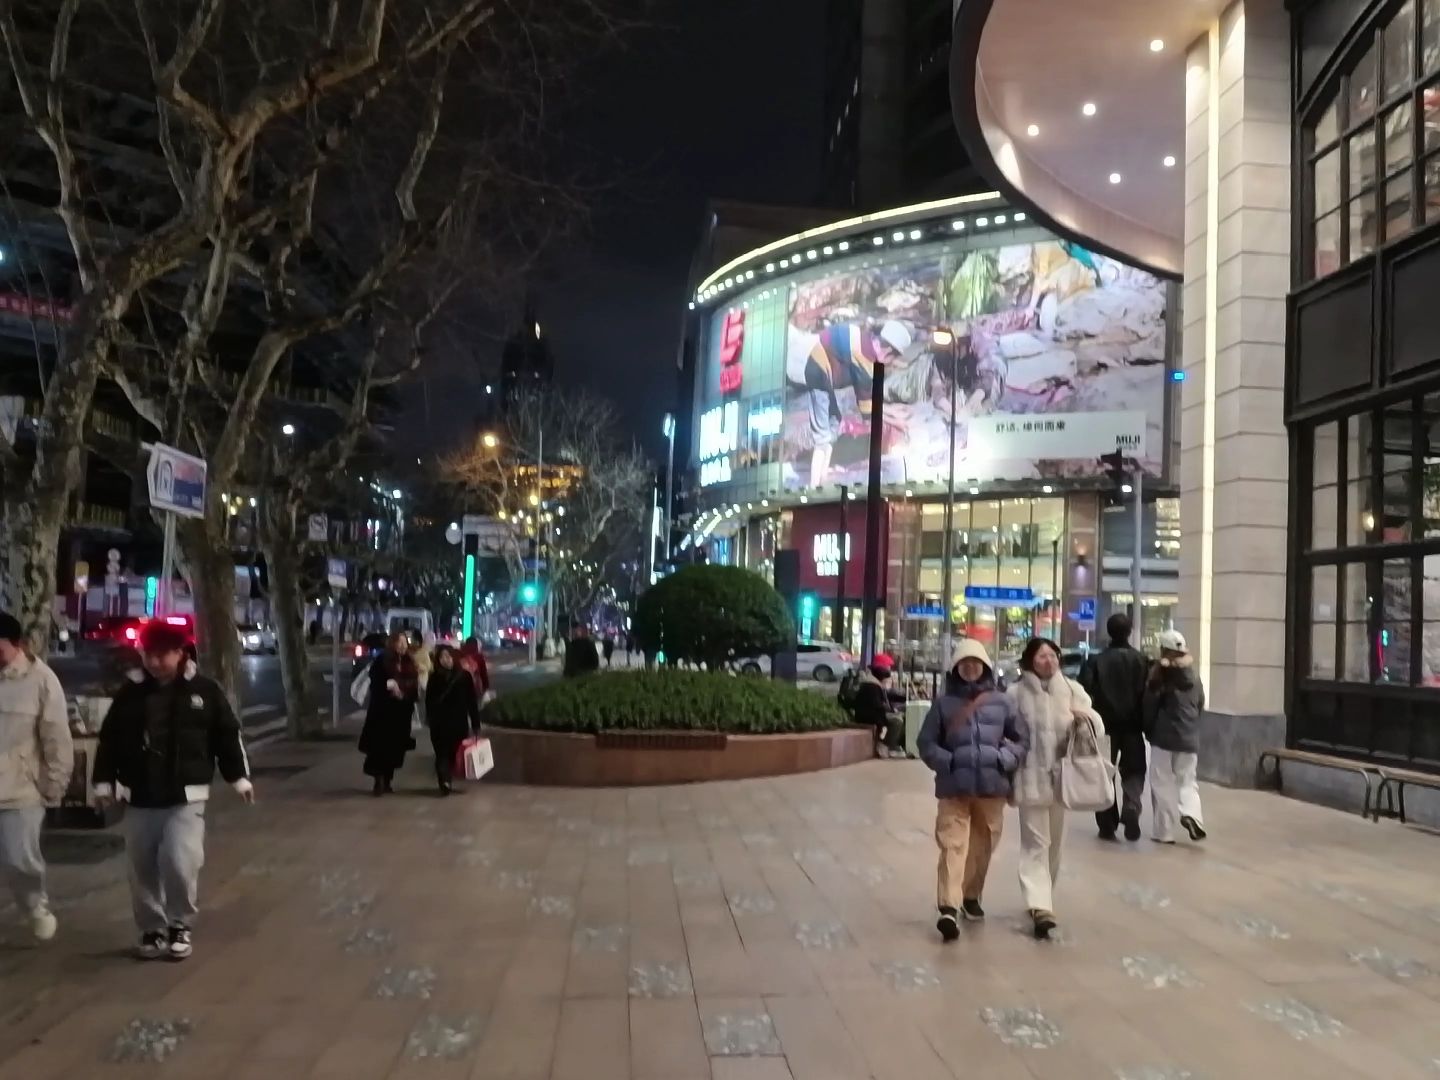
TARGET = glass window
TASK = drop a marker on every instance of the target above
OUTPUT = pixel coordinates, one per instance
(1400, 50)
(1362, 160)
(1362, 225)
(1327, 182)
(1432, 189)
(1430, 117)
(1328, 126)
(1325, 493)
(1357, 624)
(1359, 505)
(1397, 127)
(1429, 36)
(1392, 650)
(1362, 88)
(1430, 624)
(1324, 613)
(1327, 241)
(1397, 205)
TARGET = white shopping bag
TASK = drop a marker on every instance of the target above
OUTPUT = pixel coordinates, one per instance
(479, 758)
(360, 689)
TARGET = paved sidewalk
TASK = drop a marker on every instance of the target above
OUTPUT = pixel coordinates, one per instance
(745, 931)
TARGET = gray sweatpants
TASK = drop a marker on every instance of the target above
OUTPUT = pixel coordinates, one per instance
(166, 849)
(21, 863)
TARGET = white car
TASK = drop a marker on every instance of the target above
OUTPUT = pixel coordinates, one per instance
(256, 638)
(823, 661)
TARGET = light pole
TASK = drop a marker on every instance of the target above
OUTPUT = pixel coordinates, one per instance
(669, 483)
(944, 338)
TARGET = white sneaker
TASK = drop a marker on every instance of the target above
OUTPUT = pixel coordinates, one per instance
(43, 924)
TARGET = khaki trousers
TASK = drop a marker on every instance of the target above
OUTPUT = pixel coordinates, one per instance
(967, 831)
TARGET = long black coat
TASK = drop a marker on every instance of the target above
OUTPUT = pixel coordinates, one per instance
(385, 738)
(451, 708)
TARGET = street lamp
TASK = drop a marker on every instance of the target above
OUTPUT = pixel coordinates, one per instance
(669, 429)
(489, 440)
(287, 429)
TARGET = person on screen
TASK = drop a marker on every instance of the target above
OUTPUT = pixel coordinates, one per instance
(845, 355)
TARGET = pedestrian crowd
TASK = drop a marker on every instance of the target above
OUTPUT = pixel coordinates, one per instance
(1040, 746)
(1047, 744)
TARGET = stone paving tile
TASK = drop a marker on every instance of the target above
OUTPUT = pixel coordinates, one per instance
(653, 935)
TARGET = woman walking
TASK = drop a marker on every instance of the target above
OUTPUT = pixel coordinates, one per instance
(974, 741)
(394, 689)
(1174, 701)
(1049, 705)
(452, 712)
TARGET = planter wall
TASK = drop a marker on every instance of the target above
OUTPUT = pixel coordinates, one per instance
(624, 759)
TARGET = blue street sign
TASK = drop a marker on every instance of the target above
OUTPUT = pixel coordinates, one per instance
(1087, 608)
(999, 595)
(925, 611)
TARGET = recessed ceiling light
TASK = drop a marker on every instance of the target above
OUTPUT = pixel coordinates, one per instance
(915, 234)
(1157, 45)
(1033, 130)
(899, 236)
(958, 226)
(981, 222)
(999, 219)
(1088, 108)
(879, 241)
(827, 250)
(1169, 161)
(1114, 178)
(1019, 215)
(844, 245)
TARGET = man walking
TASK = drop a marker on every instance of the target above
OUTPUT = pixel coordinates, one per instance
(36, 755)
(1115, 680)
(581, 657)
(159, 748)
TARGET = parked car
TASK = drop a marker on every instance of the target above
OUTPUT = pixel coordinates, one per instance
(823, 661)
(257, 638)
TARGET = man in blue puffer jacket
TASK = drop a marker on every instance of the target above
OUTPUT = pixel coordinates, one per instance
(974, 740)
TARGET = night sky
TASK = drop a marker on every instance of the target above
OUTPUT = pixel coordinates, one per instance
(716, 98)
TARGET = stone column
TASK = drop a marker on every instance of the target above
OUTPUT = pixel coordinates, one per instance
(1234, 449)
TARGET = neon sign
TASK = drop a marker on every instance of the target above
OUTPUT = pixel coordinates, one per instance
(827, 554)
(732, 343)
(719, 438)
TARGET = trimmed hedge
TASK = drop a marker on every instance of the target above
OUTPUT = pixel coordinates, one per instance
(666, 701)
(712, 615)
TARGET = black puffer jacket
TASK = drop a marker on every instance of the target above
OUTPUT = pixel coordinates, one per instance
(163, 743)
(1115, 681)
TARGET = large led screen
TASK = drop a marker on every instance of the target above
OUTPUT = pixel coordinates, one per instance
(1037, 357)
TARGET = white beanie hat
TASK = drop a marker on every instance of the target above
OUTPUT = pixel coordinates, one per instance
(969, 649)
(897, 335)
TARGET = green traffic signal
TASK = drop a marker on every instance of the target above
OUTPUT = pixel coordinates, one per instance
(530, 593)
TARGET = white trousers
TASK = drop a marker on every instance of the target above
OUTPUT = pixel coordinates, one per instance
(1174, 791)
(21, 863)
(1041, 830)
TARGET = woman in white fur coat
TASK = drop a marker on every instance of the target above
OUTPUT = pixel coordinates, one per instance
(1050, 704)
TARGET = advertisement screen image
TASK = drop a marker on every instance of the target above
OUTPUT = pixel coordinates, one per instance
(1052, 355)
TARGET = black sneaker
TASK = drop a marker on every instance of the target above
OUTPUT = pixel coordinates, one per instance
(972, 911)
(152, 947)
(948, 925)
(1044, 924)
(1193, 827)
(180, 947)
(1132, 827)
(1107, 835)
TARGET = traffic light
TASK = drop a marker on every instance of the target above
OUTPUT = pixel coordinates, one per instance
(152, 590)
(1114, 463)
(809, 608)
(530, 593)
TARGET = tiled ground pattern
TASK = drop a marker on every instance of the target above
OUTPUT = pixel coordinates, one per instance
(746, 931)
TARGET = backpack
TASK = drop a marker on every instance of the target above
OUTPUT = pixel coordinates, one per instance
(849, 691)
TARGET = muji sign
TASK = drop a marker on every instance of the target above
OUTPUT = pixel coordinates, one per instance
(732, 344)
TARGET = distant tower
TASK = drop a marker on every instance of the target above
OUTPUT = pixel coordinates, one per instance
(526, 363)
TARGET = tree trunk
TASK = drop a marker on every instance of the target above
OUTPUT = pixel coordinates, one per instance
(287, 614)
(212, 581)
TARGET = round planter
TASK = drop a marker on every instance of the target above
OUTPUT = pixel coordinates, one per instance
(636, 759)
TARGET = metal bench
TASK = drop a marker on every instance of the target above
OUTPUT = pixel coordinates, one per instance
(1371, 774)
(1393, 782)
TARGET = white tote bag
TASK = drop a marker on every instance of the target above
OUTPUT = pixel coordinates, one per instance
(479, 758)
(360, 688)
(1085, 777)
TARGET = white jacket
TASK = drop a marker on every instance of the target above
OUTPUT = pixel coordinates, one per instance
(1049, 711)
(36, 752)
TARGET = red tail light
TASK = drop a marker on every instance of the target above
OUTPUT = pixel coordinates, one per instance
(176, 620)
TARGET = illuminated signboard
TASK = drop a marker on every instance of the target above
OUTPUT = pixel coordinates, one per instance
(827, 554)
(766, 422)
(732, 343)
(719, 439)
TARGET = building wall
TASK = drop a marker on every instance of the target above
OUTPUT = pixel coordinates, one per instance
(1234, 460)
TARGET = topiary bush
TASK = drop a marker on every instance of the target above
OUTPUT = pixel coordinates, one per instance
(666, 701)
(712, 615)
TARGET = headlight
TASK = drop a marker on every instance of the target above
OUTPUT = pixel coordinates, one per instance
(252, 639)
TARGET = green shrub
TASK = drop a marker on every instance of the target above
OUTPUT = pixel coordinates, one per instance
(712, 615)
(666, 701)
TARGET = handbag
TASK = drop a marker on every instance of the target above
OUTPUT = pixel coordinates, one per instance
(360, 688)
(1085, 776)
(474, 758)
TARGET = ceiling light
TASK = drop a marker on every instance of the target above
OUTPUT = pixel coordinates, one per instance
(915, 234)
(879, 241)
(692, 305)
(1033, 130)
(999, 219)
(974, 491)
(1156, 45)
(1169, 161)
(1019, 215)
(1047, 489)
(1114, 178)
(749, 275)
(769, 268)
(981, 222)
(1088, 109)
(898, 237)
(812, 254)
(804, 498)
(844, 245)
(827, 250)
(958, 226)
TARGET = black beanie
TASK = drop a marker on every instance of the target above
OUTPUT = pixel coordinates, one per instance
(10, 629)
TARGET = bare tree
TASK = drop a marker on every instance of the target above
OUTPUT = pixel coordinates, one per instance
(582, 505)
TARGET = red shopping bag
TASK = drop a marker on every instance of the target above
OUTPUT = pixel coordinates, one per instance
(474, 758)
